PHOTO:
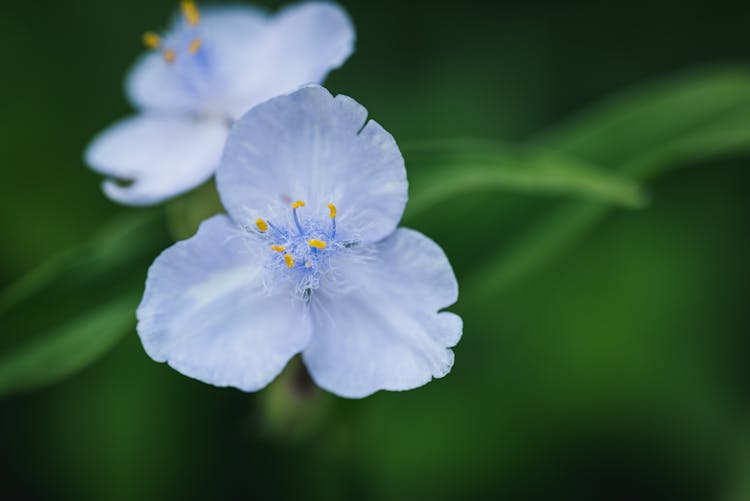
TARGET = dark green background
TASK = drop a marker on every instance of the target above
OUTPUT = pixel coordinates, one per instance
(618, 371)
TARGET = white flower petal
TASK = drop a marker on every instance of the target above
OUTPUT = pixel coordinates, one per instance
(153, 85)
(228, 33)
(161, 156)
(208, 314)
(385, 331)
(313, 147)
(300, 45)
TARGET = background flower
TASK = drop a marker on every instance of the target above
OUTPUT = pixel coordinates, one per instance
(209, 69)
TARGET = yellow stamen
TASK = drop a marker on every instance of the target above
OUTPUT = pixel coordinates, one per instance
(278, 248)
(297, 204)
(195, 45)
(308, 264)
(318, 244)
(289, 260)
(190, 12)
(262, 225)
(169, 55)
(332, 208)
(151, 40)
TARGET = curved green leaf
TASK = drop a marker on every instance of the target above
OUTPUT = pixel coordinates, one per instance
(451, 170)
(649, 117)
(640, 134)
(69, 347)
(118, 240)
(68, 312)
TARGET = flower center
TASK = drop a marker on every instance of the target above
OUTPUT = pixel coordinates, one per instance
(304, 250)
(192, 44)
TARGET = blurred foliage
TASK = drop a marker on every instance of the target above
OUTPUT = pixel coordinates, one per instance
(605, 338)
(446, 171)
(641, 134)
(88, 295)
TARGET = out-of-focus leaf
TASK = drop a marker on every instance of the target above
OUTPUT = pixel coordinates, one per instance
(37, 278)
(118, 240)
(69, 347)
(727, 137)
(452, 169)
(738, 488)
(651, 116)
(541, 243)
(69, 311)
(640, 134)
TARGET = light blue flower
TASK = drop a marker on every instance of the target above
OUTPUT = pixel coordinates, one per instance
(209, 69)
(309, 260)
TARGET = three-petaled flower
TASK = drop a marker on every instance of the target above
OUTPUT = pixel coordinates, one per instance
(208, 70)
(309, 260)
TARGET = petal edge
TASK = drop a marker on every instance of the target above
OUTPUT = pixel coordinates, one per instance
(160, 155)
(207, 313)
(386, 332)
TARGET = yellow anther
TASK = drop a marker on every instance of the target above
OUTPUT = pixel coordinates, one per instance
(151, 40)
(194, 45)
(289, 260)
(308, 264)
(262, 225)
(190, 12)
(297, 204)
(169, 55)
(332, 208)
(278, 248)
(318, 244)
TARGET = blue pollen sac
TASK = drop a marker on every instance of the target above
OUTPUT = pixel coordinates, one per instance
(304, 251)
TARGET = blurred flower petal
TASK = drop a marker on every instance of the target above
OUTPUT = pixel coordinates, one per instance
(201, 82)
(301, 45)
(212, 69)
(155, 157)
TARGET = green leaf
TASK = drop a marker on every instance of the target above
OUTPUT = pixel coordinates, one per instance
(640, 134)
(118, 240)
(739, 473)
(540, 244)
(651, 117)
(69, 347)
(727, 136)
(69, 311)
(449, 170)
